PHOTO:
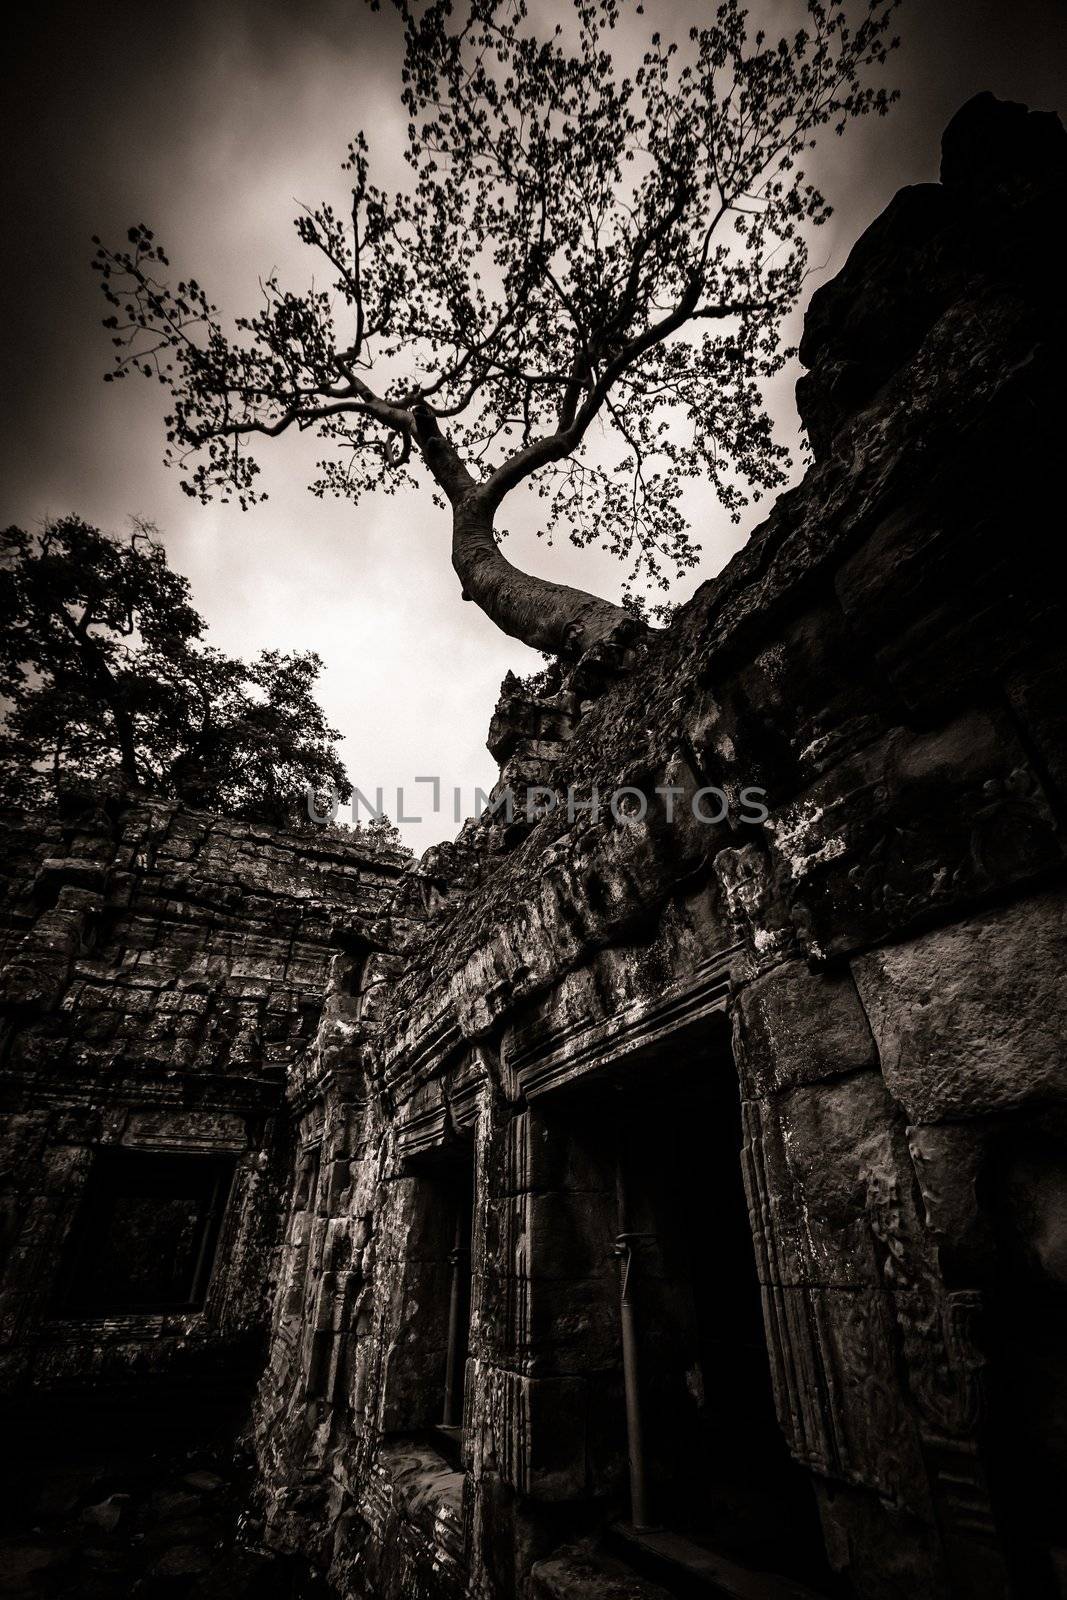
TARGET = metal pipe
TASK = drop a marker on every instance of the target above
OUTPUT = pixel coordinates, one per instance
(205, 1255)
(624, 1249)
(454, 1389)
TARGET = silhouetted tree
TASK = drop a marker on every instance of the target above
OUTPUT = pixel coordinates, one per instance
(107, 681)
(575, 247)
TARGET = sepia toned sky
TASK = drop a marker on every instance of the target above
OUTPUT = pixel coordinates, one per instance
(210, 120)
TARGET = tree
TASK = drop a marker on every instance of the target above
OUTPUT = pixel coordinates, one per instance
(107, 680)
(579, 256)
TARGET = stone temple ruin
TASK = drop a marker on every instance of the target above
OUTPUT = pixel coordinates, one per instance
(625, 1203)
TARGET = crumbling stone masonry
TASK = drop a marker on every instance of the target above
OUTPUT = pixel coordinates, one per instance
(606, 1025)
(749, 1137)
(162, 973)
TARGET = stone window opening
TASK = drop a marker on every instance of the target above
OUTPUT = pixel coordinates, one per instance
(146, 1235)
(356, 970)
(350, 971)
(426, 1387)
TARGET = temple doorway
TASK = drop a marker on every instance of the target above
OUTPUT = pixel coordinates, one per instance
(719, 1477)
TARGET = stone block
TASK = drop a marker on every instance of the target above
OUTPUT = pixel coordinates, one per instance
(869, 319)
(911, 828)
(58, 872)
(549, 1326)
(793, 1026)
(792, 709)
(208, 1131)
(943, 604)
(881, 1551)
(1037, 692)
(829, 1183)
(839, 1399)
(948, 1159)
(971, 1018)
(572, 1573)
(533, 1432)
(565, 1235)
(418, 1221)
(547, 1151)
(413, 1366)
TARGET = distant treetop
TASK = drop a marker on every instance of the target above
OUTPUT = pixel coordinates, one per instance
(107, 683)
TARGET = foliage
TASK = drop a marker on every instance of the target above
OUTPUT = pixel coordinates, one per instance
(575, 246)
(379, 835)
(107, 681)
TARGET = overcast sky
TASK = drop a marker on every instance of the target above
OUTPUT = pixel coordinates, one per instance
(208, 121)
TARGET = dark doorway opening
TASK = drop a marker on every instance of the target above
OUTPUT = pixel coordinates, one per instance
(426, 1377)
(1024, 1196)
(146, 1233)
(720, 1475)
(455, 1189)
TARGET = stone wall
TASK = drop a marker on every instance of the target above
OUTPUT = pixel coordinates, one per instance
(160, 973)
(568, 1016)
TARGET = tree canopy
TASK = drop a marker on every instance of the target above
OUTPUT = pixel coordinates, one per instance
(108, 682)
(580, 288)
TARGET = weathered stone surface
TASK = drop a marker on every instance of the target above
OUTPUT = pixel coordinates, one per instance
(154, 1010)
(913, 259)
(574, 1574)
(106, 1514)
(182, 1561)
(971, 1018)
(57, 872)
(829, 1183)
(793, 710)
(915, 826)
(884, 1556)
(794, 1026)
(430, 1492)
(559, 1327)
(535, 1434)
(837, 1394)
(865, 324)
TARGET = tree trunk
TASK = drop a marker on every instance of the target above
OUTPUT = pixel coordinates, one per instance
(563, 622)
(103, 681)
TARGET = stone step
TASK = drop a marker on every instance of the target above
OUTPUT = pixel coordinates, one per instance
(682, 1565)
